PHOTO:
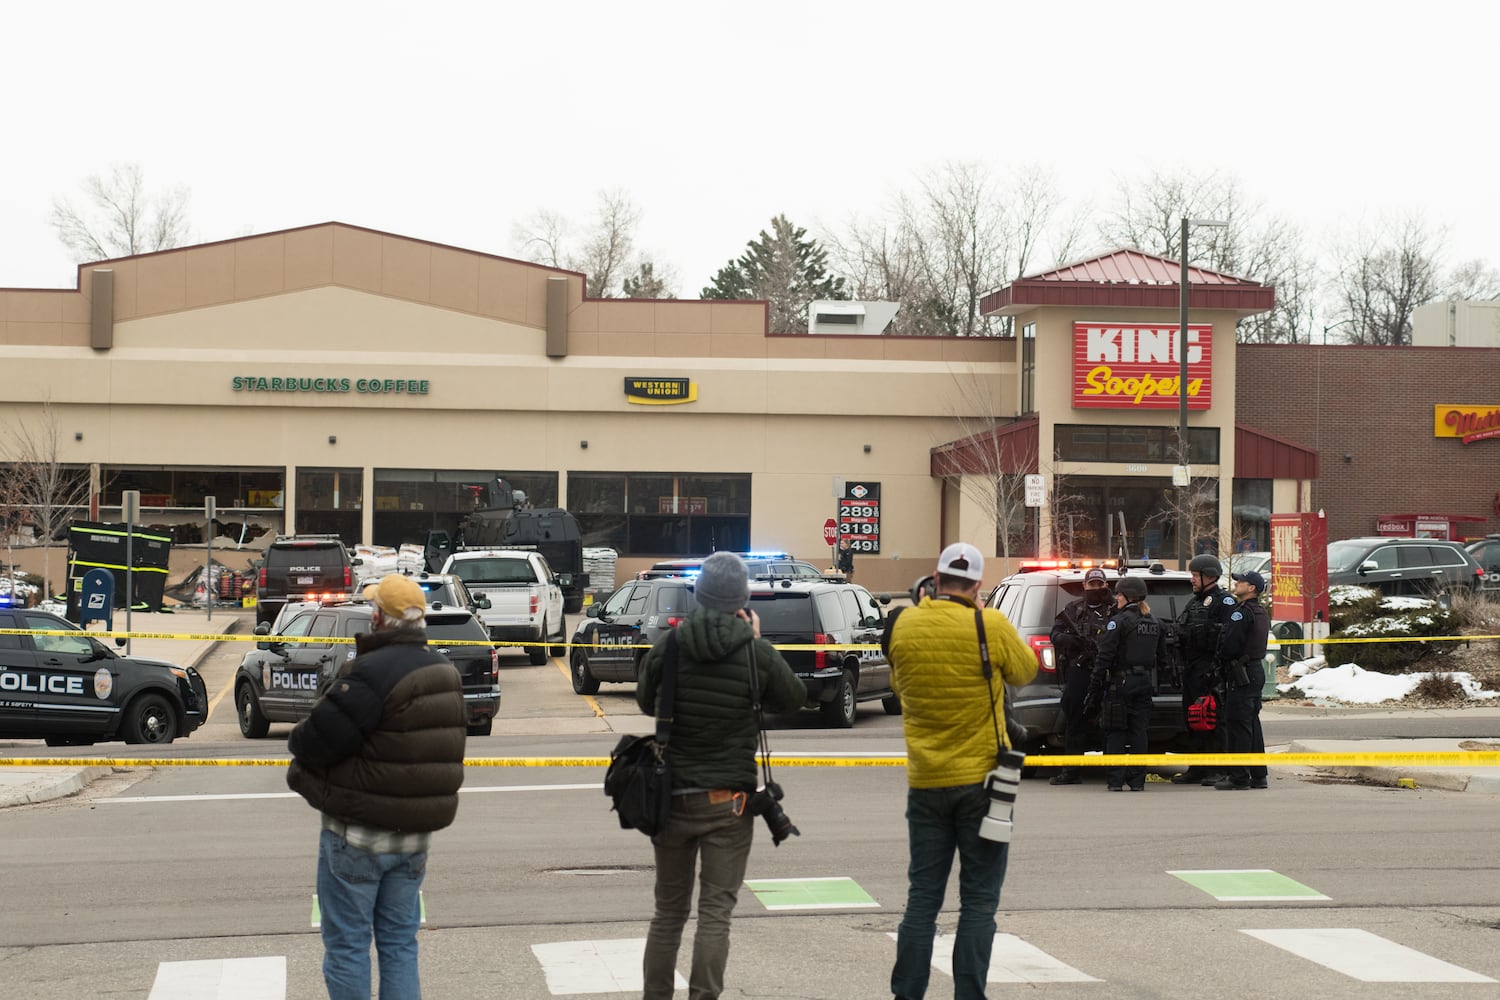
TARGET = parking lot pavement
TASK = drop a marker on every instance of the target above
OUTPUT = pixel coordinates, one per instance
(22, 785)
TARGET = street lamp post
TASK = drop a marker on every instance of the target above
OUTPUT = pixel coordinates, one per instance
(1181, 474)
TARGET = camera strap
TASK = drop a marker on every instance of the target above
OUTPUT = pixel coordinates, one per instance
(989, 673)
(760, 722)
(666, 695)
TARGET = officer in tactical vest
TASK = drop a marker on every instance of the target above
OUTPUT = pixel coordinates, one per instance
(1200, 626)
(1124, 678)
(1075, 637)
(1242, 652)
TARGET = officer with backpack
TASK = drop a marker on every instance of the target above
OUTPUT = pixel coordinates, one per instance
(1200, 626)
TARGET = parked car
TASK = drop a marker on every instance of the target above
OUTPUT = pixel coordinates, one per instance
(1486, 552)
(1417, 567)
(73, 690)
(846, 622)
(1031, 601)
(302, 568)
(615, 634)
(526, 603)
(280, 680)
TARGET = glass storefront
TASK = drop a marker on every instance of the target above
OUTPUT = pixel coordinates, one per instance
(330, 502)
(1097, 514)
(1133, 443)
(662, 514)
(411, 502)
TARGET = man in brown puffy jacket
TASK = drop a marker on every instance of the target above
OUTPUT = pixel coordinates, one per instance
(381, 756)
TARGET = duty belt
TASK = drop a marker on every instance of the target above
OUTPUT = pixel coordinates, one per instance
(1137, 671)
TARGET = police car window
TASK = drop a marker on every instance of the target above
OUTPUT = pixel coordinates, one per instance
(616, 602)
(829, 610)
(851, 606)
(75, 645)
(637, 605)
(9, 641)
(1036, 607)
(322, 625)
(782, 612)
(673, 599)
(299, 625)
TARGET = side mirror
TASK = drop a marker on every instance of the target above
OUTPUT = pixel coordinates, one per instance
(1368, 566)
(121, 643)
(882, 598)
(482, 602)
(594, 611)
(872, 622)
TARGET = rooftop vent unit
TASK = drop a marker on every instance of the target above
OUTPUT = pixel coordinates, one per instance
(866, 318)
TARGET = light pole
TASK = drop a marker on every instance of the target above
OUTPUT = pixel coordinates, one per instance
(1318, 403)
(1181, 475)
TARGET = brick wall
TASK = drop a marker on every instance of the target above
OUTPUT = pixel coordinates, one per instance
(1375, 405)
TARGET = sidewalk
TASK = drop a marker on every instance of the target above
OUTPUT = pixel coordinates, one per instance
(23, 785)
(1453, 779)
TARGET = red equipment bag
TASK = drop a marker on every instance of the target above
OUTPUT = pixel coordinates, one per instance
(1203, 714)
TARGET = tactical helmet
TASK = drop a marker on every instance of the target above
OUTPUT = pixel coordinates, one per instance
(1133, 587)
(1205, 564)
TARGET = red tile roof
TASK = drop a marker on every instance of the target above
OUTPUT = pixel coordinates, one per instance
(1129, 279)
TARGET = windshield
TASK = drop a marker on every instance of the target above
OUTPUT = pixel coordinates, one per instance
(494, 571)
(1345, 556)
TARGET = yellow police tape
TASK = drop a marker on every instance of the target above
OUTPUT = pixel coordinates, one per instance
(507, 643)
(1428, 758)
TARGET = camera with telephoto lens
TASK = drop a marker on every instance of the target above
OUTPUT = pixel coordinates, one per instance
(1001, 785)
(767, 803)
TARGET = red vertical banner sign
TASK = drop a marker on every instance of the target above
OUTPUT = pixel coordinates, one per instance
(1299, 567)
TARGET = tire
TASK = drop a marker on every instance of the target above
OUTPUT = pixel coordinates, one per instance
(253, 723)
(560, 648)
(482, 729)
(538, 653)
(840, 711)
(151, 719)
(584, 681)
(892, 705)
(572, 605)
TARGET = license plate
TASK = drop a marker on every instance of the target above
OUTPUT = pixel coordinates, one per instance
(304, 581)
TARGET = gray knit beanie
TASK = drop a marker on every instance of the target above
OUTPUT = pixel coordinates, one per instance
(723, 583)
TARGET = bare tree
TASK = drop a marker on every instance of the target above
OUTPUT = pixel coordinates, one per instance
(1383, 275)
(604, 250)
(1472, 279)
(37, 488)
(121, 218)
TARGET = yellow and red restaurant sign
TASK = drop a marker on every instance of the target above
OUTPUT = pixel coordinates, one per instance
(1299, 561)
(1136, 367)
(1467, 423)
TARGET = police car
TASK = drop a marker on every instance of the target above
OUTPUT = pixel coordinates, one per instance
(72, 690)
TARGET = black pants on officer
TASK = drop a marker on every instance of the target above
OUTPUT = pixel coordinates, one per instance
(1240, 719)
(1197, 682)
(1075, 726)
(1126, 719)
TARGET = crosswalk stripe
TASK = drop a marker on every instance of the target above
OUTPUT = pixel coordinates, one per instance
(1011, 961)
(836, 892)
(1367, 957)
(1248, 885)
(595, 966)
(221, 979)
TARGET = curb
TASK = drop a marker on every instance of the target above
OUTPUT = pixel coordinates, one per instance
(1451, 779)
(46, 785)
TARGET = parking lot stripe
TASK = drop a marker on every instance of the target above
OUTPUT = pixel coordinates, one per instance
(1249, 885)
(1367, 957)
(1011, 961)
(221, 979)
(573, 967)
(829, 893)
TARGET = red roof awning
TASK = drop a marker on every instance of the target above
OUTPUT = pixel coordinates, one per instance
(1008, 449)
(1129, 279)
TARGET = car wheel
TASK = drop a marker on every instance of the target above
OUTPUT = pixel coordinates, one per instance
(573, 605)
(538, 653)
(150, 719)
(892, 705)
(560, 648)
(584, 681)
(482, 729)
(253, 723)
(840, 711)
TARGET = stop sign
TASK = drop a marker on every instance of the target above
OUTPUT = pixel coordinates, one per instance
(831, 531)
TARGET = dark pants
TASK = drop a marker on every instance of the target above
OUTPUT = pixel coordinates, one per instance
(1195, 684)
(1241, 721)
(1134, 692)
(1075, 728)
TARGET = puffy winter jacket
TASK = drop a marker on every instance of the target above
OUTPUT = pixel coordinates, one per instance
(945, 702)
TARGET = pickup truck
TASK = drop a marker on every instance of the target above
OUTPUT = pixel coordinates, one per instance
(526, 601)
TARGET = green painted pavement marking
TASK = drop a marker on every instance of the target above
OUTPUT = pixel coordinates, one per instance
(317, 914)
(1242, 885)
(831, 893)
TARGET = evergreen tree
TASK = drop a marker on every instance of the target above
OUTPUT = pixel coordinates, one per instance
(785, 268)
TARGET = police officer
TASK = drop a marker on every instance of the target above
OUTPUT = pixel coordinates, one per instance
(1075, 637)
(1200, 625)
(1124, 678)
(1242, 653)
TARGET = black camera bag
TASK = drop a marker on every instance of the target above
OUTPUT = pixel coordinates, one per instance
(639, 779)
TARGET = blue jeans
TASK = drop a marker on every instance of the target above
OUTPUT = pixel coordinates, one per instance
(940, 821)
(360, 893)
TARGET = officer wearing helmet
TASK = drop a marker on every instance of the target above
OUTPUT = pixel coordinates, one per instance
(1200, 625)
(1075, 636)
(1125, 678)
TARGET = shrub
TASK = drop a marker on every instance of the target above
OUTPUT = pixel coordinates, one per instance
(1438, 687)
(1379, 618)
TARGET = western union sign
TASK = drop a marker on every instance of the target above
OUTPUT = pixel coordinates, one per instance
(660, 390)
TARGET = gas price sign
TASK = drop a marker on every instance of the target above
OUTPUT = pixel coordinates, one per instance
(859, 516)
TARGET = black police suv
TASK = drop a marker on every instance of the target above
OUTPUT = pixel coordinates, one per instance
(1031, 601)
(302, 568)
(846, 623)
(614, 635)
(281, 679)
(72, 690)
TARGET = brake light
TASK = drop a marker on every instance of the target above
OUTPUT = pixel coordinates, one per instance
(675, 620)
(820, 658)
(535, 601)
(494, 663)
(262, 581)
(348, 577)
(1046, 656)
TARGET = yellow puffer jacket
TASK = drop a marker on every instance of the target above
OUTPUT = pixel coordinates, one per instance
(945, 707)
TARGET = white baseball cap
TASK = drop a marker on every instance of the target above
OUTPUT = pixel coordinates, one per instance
(962, 560)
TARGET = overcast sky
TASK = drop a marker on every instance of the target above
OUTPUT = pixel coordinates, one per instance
(450, 121)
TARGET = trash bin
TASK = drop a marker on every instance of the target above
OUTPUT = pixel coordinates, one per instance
(1287, 630)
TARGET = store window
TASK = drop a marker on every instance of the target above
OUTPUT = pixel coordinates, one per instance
(1133, 443)
(1251, 515)
(184, 487)
(329, 502)
(661, 514)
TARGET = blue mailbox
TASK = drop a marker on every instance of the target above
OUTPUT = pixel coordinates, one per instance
(98, 600)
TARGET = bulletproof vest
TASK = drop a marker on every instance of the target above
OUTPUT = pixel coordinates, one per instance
(1202, 620)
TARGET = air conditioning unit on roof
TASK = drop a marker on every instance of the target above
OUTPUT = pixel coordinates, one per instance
(862, 318)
